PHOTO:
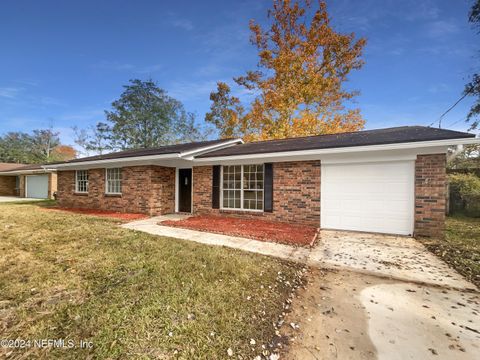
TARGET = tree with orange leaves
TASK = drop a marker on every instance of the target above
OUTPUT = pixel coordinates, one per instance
(302, 67)
(63, 153)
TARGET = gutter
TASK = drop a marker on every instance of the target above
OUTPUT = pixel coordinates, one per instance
(43, 170)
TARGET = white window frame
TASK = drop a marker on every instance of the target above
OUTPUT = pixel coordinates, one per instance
(107, 180)
(76, 182)
(241, 208)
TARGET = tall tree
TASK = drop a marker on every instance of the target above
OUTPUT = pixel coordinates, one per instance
(468, 157)
(145, 116)
(41, 146)
(93, 139)
(16, 147)
(303, 64)
(226, 112)
(63, 153)
(473, 87)
(43, 142)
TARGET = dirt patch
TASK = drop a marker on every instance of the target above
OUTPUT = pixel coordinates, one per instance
(249, 228)
(327, 320)
(102, 213)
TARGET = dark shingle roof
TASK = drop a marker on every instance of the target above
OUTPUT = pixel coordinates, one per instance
(394, 135)
(168, 149)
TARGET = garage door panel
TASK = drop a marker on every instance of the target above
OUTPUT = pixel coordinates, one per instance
(376, 197)
(36, 186)
(333, 220)
(331, 204)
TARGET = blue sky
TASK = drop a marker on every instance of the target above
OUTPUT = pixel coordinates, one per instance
(62, 63)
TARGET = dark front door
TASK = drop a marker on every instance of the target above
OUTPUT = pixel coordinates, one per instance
(185, 190)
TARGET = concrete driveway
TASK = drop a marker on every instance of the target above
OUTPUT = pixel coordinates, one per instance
(343, 314)
(397, 257)
(6, 199)
(382, 297)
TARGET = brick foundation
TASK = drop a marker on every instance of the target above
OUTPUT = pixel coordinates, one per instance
(296, 193)
(430, 195)
(145, 189)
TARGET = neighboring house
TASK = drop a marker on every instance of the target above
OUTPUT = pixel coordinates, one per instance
(388, 180)
(31, 181)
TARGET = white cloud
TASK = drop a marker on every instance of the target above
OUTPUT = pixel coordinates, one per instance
(10, 92)
(120, 66)
(148, 69)
(113, 65)
(440, 28)
(397, 51)
(423, 10)
(192, 90)
(438, 88)
(83, 116)
(174, 20)
(184, 24)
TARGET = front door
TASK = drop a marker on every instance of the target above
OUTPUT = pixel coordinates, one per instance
(185, 190)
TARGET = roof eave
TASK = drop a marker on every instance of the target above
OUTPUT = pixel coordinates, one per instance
(187, 155)
(190, 155)
(31, 171)
(348, 149)
(115, 161)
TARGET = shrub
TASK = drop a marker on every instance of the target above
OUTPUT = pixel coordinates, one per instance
(465, 193)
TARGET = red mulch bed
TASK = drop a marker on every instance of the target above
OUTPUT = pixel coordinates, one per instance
(102, 213)
(250, 228)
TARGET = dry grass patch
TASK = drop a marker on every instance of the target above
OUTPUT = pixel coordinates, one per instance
(132, 294)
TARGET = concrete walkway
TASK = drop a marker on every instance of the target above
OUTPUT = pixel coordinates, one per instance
(260, 247)
(8, 199)
(395, 257)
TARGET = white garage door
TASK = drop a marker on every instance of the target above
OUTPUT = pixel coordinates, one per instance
(37, 186)
(373, 197)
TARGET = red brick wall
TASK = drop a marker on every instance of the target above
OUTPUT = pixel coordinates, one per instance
(430, 195)
(7, 185)
(296, 193)
(202, 189)
(145, 189)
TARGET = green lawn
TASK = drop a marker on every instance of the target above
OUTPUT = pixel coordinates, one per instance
(76, 277)
(461, 248)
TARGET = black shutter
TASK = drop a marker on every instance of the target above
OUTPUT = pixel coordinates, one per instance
(216, 187)
(268, 188)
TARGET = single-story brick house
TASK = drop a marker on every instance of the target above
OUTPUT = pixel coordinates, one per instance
(388, 180)
(32, 181)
